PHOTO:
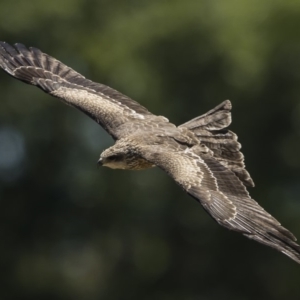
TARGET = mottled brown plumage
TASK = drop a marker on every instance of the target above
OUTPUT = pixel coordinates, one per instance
(202, 155)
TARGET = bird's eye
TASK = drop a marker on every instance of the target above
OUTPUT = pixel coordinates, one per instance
(113, 157)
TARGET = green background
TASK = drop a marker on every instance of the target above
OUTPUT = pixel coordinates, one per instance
(71, 231)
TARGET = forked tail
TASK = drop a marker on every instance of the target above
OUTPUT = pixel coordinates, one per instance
(211, 129)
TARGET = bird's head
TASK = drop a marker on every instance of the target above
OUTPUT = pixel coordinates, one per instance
(114, 157)
(124, 156)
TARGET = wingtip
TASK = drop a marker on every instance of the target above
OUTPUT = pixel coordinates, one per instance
(3, 43)
(227, 104)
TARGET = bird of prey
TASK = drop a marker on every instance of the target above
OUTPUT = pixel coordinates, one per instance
(202, 155)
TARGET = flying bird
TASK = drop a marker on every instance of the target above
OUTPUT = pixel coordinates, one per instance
(202, 155)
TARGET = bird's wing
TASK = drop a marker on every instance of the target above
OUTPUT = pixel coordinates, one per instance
(105, 105)
(223, 196)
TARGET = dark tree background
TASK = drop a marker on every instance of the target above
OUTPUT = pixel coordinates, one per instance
(71, 231)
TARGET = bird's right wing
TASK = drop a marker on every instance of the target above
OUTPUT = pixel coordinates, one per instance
(105, 105)
(223, 196)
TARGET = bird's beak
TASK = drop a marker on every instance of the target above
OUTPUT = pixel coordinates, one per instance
(100, 162)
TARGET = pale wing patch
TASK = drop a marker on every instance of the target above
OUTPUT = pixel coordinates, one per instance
(106, 112)
(192, 174)
(59, 80)
(214, 200)
(37, 68)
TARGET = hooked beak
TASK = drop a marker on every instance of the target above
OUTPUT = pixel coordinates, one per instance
(100, 162)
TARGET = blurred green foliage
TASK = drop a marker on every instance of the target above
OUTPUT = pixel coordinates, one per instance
(72, 231)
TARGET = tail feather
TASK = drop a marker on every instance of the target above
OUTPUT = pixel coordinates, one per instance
(211, 130)
(215, 119)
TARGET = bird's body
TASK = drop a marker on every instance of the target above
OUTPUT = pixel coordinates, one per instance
(202, 155)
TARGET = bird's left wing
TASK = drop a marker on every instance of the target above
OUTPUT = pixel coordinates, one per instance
(105, 105)
(223, 196)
